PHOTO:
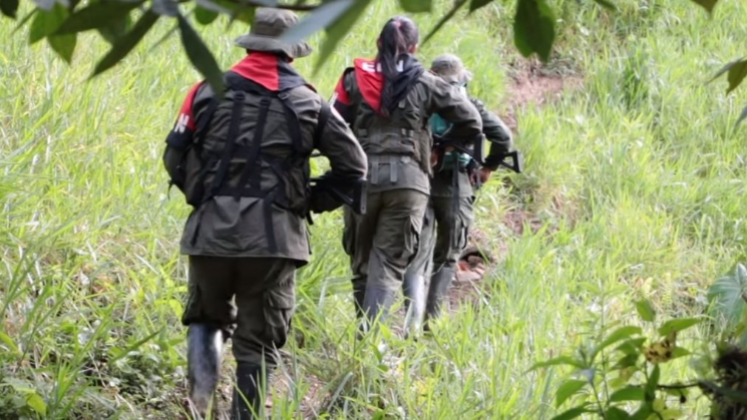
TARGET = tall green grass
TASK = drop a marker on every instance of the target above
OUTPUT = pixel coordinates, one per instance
(634, 183)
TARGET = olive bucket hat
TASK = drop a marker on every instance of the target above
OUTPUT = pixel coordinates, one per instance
(264, 34)
(450, 68)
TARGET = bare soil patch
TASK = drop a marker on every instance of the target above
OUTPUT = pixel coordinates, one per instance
(531, 83)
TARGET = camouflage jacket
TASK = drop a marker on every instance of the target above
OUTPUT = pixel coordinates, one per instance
(229, 222)
(501, 141)
(398, 145)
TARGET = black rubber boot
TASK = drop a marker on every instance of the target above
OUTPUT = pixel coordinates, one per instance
(437, 291)
(246, 404)
(204, 355)
(359, 294)
(377, 303)
(414, 289)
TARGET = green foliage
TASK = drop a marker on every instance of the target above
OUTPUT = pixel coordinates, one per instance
(617, 204)
(707, 4)
(534, 24)
(614, 386)
(567, 390)
(97, 15)
(64, 45)
(727, 297)
(122, 46)
(645, 310)
(534, 28)
(9, 8)
(199, 55)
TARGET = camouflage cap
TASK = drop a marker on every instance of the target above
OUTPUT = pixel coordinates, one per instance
(269, 24)
(450, 68)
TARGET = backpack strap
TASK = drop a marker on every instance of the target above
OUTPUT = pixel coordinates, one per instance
(324, 112)
(233, 133)
(253, 167)
(294, 125)
(204, 120)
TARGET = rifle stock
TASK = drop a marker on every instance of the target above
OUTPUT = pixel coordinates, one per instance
(340, 191)
(517, 161)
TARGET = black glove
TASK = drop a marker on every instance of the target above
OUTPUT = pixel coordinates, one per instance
(322, 200)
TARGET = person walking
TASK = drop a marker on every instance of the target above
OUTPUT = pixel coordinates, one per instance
(387, 101)
(450, 214)
(242, 161)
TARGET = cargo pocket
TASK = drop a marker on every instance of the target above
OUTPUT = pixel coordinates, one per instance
(411, 239)
(278, 310)
(461, 229)
(461, 232)
(193, 312)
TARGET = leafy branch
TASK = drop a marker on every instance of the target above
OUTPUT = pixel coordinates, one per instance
(59, 22)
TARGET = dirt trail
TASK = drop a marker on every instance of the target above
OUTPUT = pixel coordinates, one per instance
(530, 84)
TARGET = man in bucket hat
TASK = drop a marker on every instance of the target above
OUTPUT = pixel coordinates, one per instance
(449, 214)
(242, 162)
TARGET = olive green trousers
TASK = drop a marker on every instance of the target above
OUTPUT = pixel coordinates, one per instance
(381, 244)
(443, 238)
(250, 299)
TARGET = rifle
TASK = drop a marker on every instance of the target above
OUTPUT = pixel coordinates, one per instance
(477, 153)
(340, 191)
(516, 161)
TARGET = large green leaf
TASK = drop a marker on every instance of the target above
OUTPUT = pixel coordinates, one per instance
(200, 55)
(478, 4)
(727, 296)
(445, 18)
(572, 413)
(124, 45)
(97, 15)
(643, 412)
(614, 413)
(627, 361)
(36, 403)
(46, 22)
(205, 16)
(742, 116)
(630, 393)
(63, 45)
(9, 8)
(737, 73)
(534, 28)
(562, 360)
(321, 18)
(606, 4)
(726, 68)
(416, 6)
(619, 334)
(12, 346)
(652, 383)
(677, 325)
(567, 390)
(116, 29)
(337, 31)
(645, 310)
(632, 346)
(707, 4)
